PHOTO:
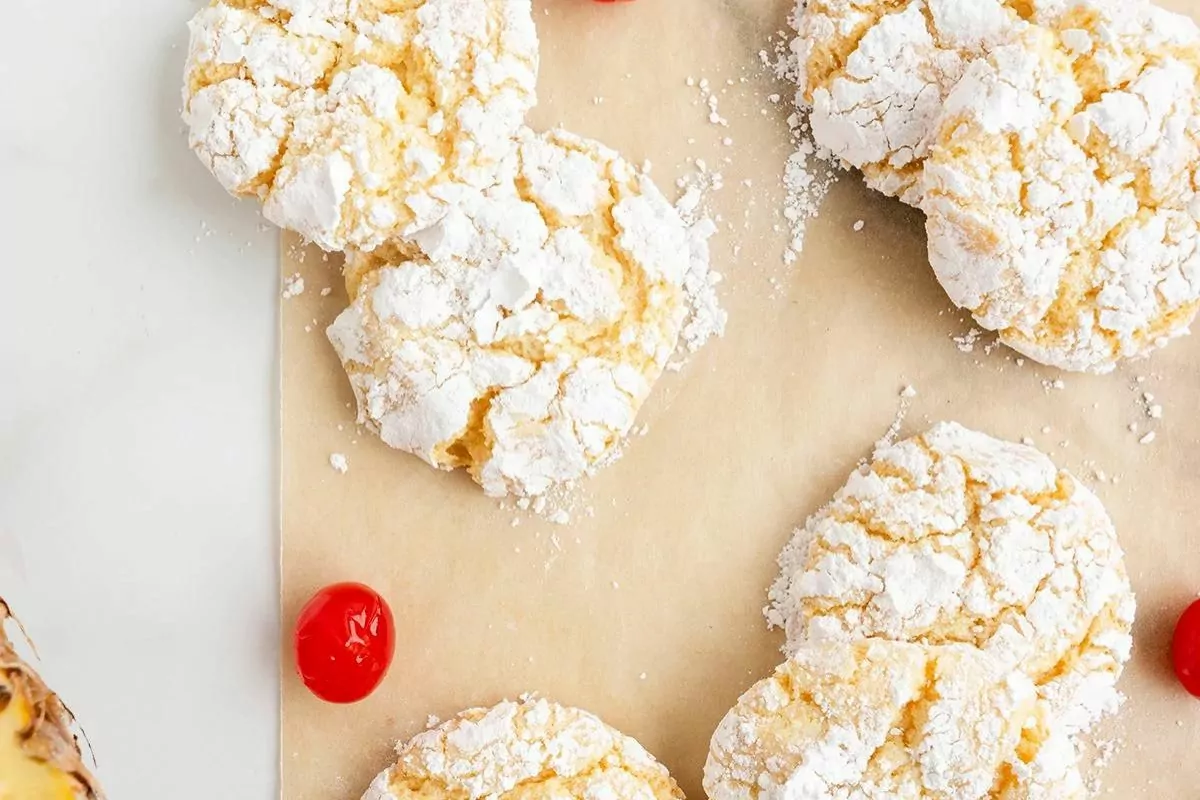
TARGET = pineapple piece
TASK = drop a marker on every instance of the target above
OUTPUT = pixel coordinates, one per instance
(39, 756)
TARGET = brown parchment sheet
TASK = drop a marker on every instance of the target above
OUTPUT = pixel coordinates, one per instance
(649, 612)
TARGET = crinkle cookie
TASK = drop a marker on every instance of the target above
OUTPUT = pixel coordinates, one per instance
(876, 73)
(1061, 191)
(882, 720)
(518, 335)
(334, 112)
(954, 536)
(531, 750)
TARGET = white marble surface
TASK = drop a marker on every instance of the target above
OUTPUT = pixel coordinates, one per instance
(138, 406)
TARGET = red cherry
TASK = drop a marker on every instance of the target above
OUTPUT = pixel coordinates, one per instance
(345, 639)
(1185, 649)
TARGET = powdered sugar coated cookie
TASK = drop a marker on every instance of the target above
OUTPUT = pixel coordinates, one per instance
(879, 720)
(1061, 193)
(519, 333)
(334, 112)
(876, 73)
(531, 750)
(954, 536)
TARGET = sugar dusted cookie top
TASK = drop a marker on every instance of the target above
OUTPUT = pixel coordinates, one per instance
(954, 536)
(518, 335)
(876, 73)
(334, 112)
(1061, 191)
(531, 750)
(879, 720)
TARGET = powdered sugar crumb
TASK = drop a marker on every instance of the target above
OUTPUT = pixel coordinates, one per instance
(966, 343)
(811, 170)
(293, 286)
(706, 318)
(907, 395)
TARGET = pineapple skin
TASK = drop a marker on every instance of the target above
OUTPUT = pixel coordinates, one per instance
(40, 758)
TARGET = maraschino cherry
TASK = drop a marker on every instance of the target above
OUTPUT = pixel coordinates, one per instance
(1185, 649)
(345, 639)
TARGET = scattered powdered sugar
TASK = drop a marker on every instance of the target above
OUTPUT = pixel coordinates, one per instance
(293, 286)
(1149, 403)
(1100, 754)
(339, 463)
(966, 343)
(705, 317)
(907, 395)
(712, 101)
(811, 170)
(807, 176)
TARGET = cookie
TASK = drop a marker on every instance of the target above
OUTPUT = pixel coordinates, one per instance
(1060, 193)
(531, 750)
(333, 113)
(956, 537)
(879, 720)
(519, 333)
(876, 73)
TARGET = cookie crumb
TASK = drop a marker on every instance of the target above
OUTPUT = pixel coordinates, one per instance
(293, 287)
(966, 342)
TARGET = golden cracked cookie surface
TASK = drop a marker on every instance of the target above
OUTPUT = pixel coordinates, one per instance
(520, 332)
(334, 112)
(1060, 194)
(876, 73)
(882, 720)
(954, 536)
(528, 750)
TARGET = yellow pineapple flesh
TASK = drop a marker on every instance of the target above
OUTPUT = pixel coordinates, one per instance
(39, 756)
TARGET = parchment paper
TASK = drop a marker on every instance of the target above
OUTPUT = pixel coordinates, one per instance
(649, 612)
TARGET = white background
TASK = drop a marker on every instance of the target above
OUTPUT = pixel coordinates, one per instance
(138, 405)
